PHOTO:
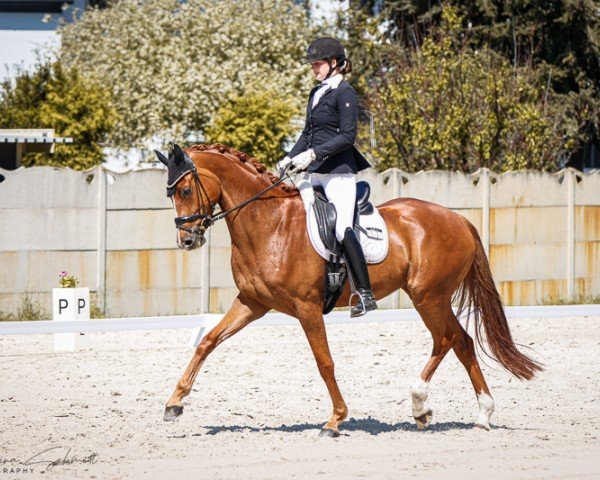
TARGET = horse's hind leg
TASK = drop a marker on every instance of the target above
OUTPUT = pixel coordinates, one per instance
(465, 351)
(445, 331)
(241, 313)
(314, 328)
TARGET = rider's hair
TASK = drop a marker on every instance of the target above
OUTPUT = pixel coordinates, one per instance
(346, 67)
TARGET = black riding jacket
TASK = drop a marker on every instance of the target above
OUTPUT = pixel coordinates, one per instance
(330, 130)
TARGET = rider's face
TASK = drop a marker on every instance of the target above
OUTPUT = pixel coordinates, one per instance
(320, 69)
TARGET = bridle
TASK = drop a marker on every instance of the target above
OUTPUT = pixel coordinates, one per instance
(208, 218)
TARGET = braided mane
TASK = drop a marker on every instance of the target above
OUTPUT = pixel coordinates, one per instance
(246, 159)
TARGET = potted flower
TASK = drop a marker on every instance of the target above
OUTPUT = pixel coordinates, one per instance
(66, 280)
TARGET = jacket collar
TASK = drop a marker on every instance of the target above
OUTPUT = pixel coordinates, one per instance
(331, 82)
(334, 81)
(327, 92)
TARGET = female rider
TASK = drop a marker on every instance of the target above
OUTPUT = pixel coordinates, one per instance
(326, 150)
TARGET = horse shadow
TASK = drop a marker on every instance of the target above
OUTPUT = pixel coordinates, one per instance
(368, 425)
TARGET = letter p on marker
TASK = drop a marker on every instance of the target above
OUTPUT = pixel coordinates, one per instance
(80, 304)
(62, 305)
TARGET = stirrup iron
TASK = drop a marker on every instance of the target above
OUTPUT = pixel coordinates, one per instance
(366, 303)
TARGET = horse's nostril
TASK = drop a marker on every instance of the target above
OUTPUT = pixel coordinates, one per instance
(188, 242)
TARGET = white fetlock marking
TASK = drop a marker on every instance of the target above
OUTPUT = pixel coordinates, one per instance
(419, 397)
(486, 408)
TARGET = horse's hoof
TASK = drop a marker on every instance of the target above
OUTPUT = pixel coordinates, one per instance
(424, 420)
(171, 413)
(483, 427)
(329, 432)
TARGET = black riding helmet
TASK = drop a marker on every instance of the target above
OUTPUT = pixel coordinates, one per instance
(325, 48)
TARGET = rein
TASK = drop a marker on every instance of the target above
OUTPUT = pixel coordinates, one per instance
(207, 220)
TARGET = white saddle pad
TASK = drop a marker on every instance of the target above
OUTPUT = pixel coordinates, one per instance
(374, 244)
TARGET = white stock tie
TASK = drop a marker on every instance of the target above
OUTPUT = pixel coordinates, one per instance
(319, 93)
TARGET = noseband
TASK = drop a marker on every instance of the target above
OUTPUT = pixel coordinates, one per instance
(207, 219)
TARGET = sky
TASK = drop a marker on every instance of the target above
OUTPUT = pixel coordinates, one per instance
(19, 47)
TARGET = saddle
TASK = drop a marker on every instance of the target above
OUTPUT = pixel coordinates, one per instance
(326, 215)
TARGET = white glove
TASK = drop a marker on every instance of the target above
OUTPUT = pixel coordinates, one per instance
(303, 160)
(281, 164)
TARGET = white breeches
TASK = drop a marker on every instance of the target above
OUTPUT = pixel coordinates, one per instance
(340, 189)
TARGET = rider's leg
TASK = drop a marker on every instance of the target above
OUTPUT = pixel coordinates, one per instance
(306, 191)
(341, 191)
(356, 261)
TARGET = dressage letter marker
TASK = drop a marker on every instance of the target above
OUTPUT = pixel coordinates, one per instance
(62, 305)
(70, 304)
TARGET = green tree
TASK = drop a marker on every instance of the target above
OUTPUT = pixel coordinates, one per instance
(446, 105)
(52, 96)
(365, 45)
(20, 100)
(171, 65)
(563, 35)
(258, 124)
(559, 41)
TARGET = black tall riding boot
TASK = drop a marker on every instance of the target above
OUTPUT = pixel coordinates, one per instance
(358, 269)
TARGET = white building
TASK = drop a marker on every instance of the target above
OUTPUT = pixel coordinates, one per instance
(30, 25)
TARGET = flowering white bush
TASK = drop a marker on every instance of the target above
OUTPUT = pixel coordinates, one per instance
(172, 64)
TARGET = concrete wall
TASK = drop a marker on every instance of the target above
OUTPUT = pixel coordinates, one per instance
(115, 233)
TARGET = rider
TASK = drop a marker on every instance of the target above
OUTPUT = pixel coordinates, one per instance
(326, 150)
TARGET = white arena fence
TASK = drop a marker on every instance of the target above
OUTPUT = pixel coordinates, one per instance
(115, 233)
(271, 319)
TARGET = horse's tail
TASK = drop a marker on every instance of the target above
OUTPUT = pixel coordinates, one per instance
(479, 296)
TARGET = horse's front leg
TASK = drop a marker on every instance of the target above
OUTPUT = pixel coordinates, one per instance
(314, 328)
(241, 313)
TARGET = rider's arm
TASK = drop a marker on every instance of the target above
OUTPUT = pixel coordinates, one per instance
(302, 143)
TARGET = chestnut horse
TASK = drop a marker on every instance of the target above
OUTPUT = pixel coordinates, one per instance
(434, 254)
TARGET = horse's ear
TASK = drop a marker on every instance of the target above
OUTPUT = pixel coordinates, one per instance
(162, 158)
(178, 154)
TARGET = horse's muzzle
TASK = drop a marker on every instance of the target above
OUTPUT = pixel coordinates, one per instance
(193, 241)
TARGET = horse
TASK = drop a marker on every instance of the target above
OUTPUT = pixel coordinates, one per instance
(435, 256)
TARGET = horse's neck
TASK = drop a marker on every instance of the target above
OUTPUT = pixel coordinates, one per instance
(239, 185)
(241, 188)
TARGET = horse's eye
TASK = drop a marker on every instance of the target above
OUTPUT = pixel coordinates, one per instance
(186, 192)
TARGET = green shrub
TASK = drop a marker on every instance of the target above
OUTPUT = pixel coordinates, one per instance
(258, 124)
(448, 105)
(576, 300)
(53, 96)
(29, 310)
(96, 311)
